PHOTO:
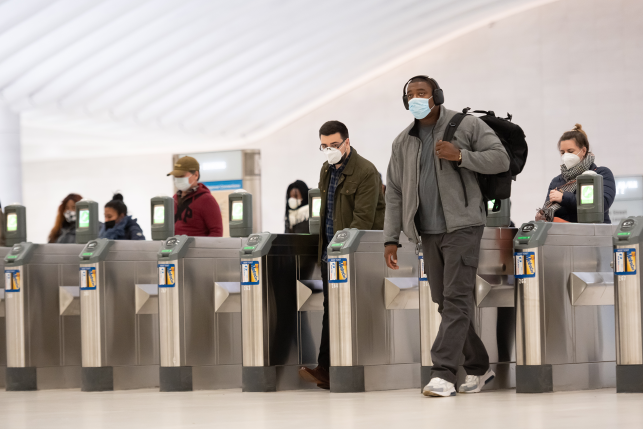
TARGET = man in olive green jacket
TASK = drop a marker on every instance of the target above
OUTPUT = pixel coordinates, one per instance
(352, 197)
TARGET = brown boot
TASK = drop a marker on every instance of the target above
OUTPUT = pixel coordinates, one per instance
(319, 376)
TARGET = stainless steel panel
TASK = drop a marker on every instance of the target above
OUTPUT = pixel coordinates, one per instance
(216, 377)
(591, 288)
(228, 339)
(43, 315)
(136, 377)
(310, 323)
(557, 308)
(69, 300)
(252, 321)
(15, 321)
(147, 339)
(171, 346)
(391, 377)
(119, 307)
(197, 302)
(371, 320)
(628, 317)
(310, 295)
(146, 298)
(401, 293)
(529, 318)
(59, 377)
(495, 291)
(91, 321)
(340, 318)
(404, 332)
(594, 339)
(227, 297)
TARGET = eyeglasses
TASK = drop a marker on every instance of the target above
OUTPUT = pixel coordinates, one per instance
(333, 145)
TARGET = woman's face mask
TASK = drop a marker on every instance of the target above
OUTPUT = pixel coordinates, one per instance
(571, 159)
(294, 203)
(70, 216)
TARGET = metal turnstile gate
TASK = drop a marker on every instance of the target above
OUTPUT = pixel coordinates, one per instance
(200, 313)
(43, 316)
(277, 337)
(565, 333)
(119, 315)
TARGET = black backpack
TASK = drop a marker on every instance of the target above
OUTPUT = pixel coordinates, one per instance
(496, 186)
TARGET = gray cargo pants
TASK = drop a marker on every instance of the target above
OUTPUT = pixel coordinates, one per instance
(451, 262)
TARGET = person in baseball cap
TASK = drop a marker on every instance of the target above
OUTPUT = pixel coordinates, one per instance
(196, 212)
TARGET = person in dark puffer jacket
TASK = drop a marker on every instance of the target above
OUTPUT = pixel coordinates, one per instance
(577, 159)
(118, 225)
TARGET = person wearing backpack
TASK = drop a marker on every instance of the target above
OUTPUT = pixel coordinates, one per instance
(576, 159)
(433, 196)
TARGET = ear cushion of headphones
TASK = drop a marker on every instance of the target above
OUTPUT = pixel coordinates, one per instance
(405, 100)
(438, 97)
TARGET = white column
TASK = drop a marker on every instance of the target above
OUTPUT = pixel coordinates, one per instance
(10, 159)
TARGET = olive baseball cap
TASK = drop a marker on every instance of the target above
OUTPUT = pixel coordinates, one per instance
(184, 165)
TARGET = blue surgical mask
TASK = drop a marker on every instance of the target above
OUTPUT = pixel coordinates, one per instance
(419, 107)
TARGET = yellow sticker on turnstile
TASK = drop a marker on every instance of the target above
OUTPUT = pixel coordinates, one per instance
(12, 280)
(625, 261)
(88, 280)
(524, 265)
(337, 270)
(249, 272)
(167, 275)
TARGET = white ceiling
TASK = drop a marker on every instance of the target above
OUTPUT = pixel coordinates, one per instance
(209, 71)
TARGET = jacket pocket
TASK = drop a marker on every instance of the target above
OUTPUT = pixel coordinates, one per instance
(349, 188)
(470, 261)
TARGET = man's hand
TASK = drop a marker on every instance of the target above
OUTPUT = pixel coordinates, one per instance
(555, 196)
(390, 256)
(446, 150)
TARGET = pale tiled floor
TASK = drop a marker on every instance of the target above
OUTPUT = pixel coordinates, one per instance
(316, 409)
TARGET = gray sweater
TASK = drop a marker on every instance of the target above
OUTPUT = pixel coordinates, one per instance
(482, 152)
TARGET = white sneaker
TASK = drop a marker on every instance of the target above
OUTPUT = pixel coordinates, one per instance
(474, 383)
(439, 387)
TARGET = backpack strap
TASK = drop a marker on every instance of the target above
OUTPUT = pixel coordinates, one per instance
(452, 126)
(449, 132)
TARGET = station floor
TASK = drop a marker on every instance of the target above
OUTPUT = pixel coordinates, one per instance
(139, 409)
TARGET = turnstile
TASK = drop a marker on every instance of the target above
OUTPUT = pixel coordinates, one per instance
(280, 332)
(42, 316)
(119, 315)
(199, 313)
(565, 333)
(628, 304)
(494, 317)
(3, 343)
(373, 314)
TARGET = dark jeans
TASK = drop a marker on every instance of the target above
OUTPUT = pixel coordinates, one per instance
(323, 359)
(451, 262)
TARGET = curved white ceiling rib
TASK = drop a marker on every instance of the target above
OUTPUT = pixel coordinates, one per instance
(192, 67)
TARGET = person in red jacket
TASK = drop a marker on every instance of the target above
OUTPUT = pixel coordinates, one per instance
(196, 212)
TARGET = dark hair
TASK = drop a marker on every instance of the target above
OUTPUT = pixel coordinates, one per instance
(333, 127)
(577, 134)
(117, 204)
(60, 217)
(423, 79)
(193, 172)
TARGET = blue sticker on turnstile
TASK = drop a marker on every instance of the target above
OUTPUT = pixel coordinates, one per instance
(524, 265)
(11, 280)
(625, 262)
(422, 276)
(87, 278)
(167, 275)
(337, 270)
(249, 272)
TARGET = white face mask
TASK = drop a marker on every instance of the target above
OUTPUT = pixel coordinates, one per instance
(70, 216)
(570, 160)
(293, 203)
(334, 155)
(182, 183)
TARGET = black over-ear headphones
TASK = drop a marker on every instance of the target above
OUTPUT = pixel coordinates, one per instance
(438, 94)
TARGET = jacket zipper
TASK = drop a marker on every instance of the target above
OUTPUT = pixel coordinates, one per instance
(417, 190)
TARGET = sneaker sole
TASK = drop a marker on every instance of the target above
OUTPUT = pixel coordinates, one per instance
(486, 381)
(437, 394)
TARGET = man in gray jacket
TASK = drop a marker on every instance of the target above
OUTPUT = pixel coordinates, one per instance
(433, 196)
